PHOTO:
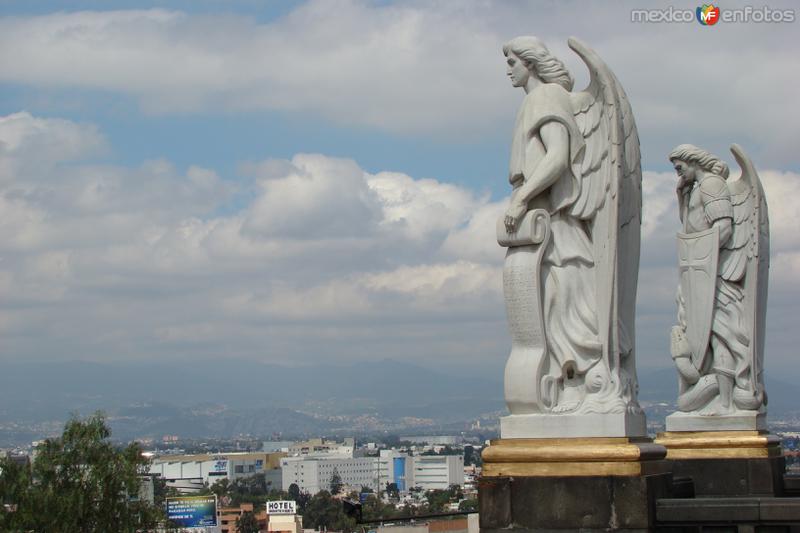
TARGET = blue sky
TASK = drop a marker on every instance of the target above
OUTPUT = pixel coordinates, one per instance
(304, 181)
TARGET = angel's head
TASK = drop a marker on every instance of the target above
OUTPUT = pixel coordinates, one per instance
(689, 159)
(528, 56)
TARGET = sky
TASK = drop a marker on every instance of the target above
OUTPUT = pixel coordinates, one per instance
(309, 182)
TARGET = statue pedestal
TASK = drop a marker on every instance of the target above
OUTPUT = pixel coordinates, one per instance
(566, 426)
(740, 421)
(586, 484)
(726, 463)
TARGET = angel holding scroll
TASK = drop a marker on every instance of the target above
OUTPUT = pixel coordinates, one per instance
(572, 232)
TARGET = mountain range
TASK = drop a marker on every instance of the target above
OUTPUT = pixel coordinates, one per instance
(228, 398)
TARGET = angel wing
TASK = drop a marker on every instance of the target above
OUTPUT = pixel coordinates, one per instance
(610, 200)
(745, 256)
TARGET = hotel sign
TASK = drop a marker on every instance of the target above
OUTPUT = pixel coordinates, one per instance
(281, 507)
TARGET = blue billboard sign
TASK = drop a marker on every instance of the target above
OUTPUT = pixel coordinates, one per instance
(192, 511)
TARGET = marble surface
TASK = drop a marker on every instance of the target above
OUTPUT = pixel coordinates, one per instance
(572, 230)
(723, 258)
(739, 421)
(573, 425)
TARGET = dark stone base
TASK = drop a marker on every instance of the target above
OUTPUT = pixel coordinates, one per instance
(732, 477)
(735, 515)
(587, 504)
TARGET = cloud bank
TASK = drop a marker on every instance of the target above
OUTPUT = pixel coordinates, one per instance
(420, 68)
(323, 261)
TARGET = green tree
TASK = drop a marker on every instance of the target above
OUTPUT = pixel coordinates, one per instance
(392, 491)
(455, 493)
(468, 505)
(437, 499)
(15, 495)
(221, 488)
(324, 511)
(374, 509)
(336, 482)
(79, 483)
(302, 501)
(253, 489)
(247, 523)
(472, 456)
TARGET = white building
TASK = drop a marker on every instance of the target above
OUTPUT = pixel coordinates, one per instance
(313, 474)
(441, 440)
(323, 448)
(189, 473)
(396, 467)
(438, 471)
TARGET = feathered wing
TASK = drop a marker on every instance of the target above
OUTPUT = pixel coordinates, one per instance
(746, 258)
(610, 201)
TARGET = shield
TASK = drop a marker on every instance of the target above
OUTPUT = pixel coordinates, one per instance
(698, 254)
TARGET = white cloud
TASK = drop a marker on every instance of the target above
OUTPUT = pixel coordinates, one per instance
(422, 208)
(319, 198)
(477, 239)
(439, 281)
(141, 253)
(324, 257)
(51, 138)
(782, 190)
(420, 68)
(346, 60)
(29, 145)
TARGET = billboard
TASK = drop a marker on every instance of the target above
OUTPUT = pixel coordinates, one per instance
(192, 511)
(281, 507)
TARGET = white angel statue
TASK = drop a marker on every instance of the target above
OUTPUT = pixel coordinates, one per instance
(723, 254)
(572, 229)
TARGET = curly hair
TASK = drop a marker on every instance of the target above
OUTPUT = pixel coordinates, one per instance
(538, 59)
(690, 153)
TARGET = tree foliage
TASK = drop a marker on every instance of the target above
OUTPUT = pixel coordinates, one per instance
(247, 523)
(301, 498)
(472, 456)
(294, 491)
(392, 491)
(325, 511)
(373, 508)
(80, 482)
(336, 482)
(468, 505)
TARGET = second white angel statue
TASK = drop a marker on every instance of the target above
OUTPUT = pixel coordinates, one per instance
(572, 229)
(718, 344)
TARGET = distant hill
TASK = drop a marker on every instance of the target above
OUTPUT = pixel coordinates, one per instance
(226, 398)
(48, 388)
(241, 396)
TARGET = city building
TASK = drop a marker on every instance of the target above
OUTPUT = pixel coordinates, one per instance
(396, 467)
(285, 523)
(438, 471)
(313, 474)
(323, 448)
(458, 525)
(441, 440)
(276, 445)
(227, 517)
(428, 472)
(189, 473)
